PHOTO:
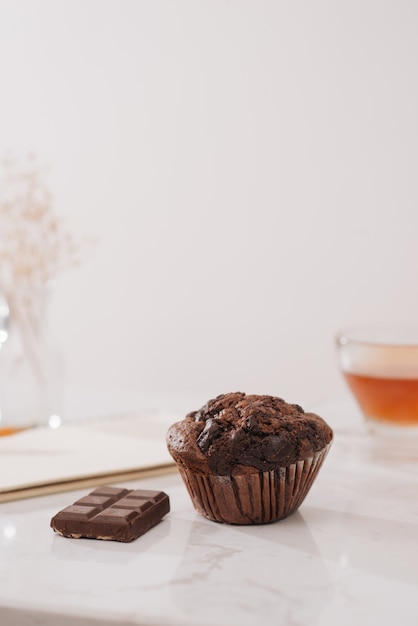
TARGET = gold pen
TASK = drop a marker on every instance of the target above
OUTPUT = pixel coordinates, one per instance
(6, 431)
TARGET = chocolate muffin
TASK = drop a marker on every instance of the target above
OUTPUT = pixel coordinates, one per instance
(248, 459)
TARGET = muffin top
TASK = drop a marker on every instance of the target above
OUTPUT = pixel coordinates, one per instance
(235, 433)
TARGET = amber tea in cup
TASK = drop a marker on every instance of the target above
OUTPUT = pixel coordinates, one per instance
(380, 366)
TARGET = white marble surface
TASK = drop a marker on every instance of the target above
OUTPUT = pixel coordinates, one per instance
(349, 555)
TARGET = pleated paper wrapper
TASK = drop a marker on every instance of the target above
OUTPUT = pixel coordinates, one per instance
(253, 498)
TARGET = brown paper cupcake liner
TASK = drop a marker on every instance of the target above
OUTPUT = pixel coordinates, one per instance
(253, 498)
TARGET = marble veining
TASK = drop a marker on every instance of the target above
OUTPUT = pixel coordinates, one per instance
(347, 556)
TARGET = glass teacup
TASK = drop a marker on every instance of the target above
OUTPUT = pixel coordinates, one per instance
(380, 366)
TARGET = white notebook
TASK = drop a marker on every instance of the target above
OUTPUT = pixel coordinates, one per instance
(83, 453)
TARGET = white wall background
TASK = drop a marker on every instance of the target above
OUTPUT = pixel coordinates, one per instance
(249, 169)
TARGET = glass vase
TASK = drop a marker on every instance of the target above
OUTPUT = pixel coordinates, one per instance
(31, 367)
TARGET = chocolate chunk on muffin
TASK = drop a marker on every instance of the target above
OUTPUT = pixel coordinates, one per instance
(248, 459)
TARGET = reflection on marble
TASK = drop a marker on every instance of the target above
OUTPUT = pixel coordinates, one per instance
(232, 569)
(347, 557)
(8, 531)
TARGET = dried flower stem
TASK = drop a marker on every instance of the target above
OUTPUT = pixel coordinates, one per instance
(34, 247)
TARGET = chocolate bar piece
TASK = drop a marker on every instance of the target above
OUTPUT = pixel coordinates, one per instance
(112, 513)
